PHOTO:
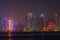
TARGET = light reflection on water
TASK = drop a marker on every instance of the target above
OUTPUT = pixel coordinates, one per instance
(10, 35)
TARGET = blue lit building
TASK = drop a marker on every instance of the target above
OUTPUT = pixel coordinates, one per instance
(36, 21)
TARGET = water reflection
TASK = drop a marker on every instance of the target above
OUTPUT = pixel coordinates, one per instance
(21, 36)
(13, 36)
(10, 35)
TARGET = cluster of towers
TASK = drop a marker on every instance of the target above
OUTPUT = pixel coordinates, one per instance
(6, 24)
(35, 22)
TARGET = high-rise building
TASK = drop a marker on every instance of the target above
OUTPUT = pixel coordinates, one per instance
(10, 25)
(30, 21)
(37, 22)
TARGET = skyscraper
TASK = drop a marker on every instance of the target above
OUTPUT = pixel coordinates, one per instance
(36, 22)
(30, 21)
(10, 25)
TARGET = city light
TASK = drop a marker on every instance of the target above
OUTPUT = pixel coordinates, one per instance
(42, 15)
(10, 25)
(51, 24)
(32, 23)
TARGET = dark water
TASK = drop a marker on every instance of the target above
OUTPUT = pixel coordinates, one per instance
(30, 36)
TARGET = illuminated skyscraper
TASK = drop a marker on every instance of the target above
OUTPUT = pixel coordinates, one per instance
(36, 21)
(10, 25)
(30, 21)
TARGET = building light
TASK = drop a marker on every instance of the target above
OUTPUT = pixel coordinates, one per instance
(10, 25)
(42, 15)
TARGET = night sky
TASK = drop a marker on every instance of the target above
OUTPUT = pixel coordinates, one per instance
(16, 10)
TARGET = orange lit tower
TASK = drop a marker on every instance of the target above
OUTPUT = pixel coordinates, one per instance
(10, 25)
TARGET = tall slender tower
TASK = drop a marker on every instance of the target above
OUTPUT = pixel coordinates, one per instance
(30, 21)
(10, 25)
